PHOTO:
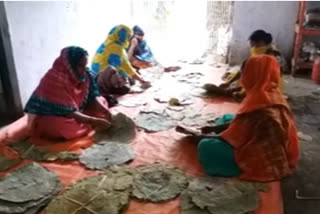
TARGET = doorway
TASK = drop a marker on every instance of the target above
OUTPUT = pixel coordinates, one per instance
(174, 26)
(10, 102)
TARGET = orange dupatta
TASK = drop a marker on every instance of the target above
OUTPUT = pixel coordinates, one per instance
(263, 133)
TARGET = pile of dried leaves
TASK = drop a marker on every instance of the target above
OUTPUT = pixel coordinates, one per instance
(106, 193)
(220, 195)
(133, 101)
(158, 182)
(28, 189)
(154, 121)
(102, 156)
(192, 116)
(110, 192)
(27, 150)
(164, 119)
(190, 78)
(122, 130)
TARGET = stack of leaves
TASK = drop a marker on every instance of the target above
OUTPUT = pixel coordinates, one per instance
(28, 189)
(158, 182)
(133, 101)
(106, 193)
(122, 130)
(192, 116)
(166, 118)
(102, 156)
(220, 195)
(152, 73)
(190, 78)
(154, 121)
(28, 150)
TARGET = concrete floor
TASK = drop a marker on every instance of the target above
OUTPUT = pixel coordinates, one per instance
(306, 179)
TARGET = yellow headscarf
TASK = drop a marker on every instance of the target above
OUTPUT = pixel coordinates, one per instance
(112, 52)
(120, 35)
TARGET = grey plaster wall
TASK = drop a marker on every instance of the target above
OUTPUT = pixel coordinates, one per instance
(276, 17)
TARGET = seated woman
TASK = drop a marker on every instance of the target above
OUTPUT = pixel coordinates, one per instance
(57, 106)
(111, 56)
(260, 143)
(140, 54)
(261, 43)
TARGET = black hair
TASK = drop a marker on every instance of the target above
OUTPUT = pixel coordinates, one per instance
(74, 55)
(261, 36)
(138, 30)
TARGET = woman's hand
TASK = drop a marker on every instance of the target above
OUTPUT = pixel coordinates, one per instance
(238, 96)
(207, 129)
(100, 123)
(224, 85)
(107, 115)
(145, 84)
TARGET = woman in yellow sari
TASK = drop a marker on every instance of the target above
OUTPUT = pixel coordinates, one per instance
(111, 56)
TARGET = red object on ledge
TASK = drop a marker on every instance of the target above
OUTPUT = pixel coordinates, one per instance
(300, 32)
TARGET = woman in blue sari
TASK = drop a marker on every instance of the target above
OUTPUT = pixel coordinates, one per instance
(140, 54)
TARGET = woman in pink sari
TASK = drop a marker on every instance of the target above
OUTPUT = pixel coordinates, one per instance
(59, 105)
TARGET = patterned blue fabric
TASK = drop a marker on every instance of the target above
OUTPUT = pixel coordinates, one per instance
(93, 91)
(40, 106)
(113, 29)
(143, 52)
(114, 60)
(101, 48)
(95, 67)
(123, 36)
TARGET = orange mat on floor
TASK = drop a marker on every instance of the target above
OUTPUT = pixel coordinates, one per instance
(164, 147)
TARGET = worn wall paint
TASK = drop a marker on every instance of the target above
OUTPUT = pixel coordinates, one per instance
(275, 17)
(39, 30)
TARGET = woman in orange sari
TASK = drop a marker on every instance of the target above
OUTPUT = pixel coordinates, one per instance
(260, 143)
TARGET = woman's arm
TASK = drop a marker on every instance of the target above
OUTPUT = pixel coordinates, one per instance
(215, 129)
(131, 71)
(235, 78)
(94, 121)
(103, 107)
(133, 45)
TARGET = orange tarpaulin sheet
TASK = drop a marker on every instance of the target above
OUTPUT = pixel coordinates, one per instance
(164, 147)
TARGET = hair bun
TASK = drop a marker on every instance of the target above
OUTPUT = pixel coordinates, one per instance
(269, 38)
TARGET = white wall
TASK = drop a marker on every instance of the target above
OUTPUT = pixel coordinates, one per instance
(39, 30)
(275, 17)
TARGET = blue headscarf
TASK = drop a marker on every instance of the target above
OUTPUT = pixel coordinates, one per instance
(138, 31)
